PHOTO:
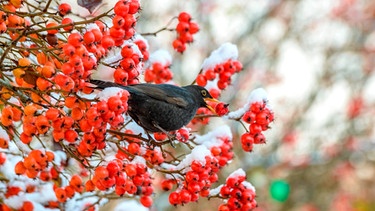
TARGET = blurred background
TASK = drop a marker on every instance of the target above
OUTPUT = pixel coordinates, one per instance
(315, 59)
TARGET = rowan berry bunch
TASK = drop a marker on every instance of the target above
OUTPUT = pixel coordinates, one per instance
(222, 72)
(197, 183)
(240, 195)
(258, 116)
(185, 30)
(158, 70)
(79, 147)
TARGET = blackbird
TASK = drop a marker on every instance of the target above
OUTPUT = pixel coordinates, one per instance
(162, 107)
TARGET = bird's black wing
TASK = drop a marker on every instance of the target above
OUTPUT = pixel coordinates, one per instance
(163, 92)
(104, 84)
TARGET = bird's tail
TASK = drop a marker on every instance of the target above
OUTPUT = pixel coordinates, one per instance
(103, 84)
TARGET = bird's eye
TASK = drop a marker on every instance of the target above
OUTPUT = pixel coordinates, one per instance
(204, 93)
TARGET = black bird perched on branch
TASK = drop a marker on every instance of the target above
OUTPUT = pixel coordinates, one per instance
(162, 107)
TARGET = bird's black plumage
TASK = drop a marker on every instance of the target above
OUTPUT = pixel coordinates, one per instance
(162, 107)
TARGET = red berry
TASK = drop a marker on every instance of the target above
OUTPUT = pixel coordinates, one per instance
(64, 9)
(201, 80)
(174, 198)
(146, 201)
(184, 17)
(221, 109)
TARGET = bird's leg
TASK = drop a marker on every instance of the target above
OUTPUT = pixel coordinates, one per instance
(150, 138)
(170, 137)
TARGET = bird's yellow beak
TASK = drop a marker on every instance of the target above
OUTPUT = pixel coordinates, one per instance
(211, 100)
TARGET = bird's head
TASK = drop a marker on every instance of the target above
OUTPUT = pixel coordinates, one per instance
(203, 96)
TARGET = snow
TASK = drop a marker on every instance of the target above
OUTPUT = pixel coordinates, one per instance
(130, 205)
(257, 95)
(4, 135)
(248, 185)
(103, 72)
(59, 156)
(225, 52)
(216, 191)
(161, 56)
(139, 159)
(16, 201)
(215, 137)
(113, 56)
(198, 153)
(45, 194)
(237, 173)
(92, 26)
(109, 92)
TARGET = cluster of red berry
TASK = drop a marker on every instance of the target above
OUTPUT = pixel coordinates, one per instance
(222, 71)
(124, 21)
(133, 149)
(158, 73)
(259, 116)
(35, 164)
(238, 194)
(67, 192)
(198, 182)
(130, 178)
(185, 30)
(128, 71)
(95, 119)
(223, 153)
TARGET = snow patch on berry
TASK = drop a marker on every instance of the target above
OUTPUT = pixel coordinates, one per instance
(238, 173)
(215, 137)
(161, 56)
(257, 95)
(197, 154)
(109, 92)
(225, 52)
(248, 185)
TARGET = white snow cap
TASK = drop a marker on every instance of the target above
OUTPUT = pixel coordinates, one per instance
(237, 173)
(109, 92)
(162, 56)
(248, 185)
(225, 52)
(241, 173)
(198, 153)
(257, 95)
(215, 137)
